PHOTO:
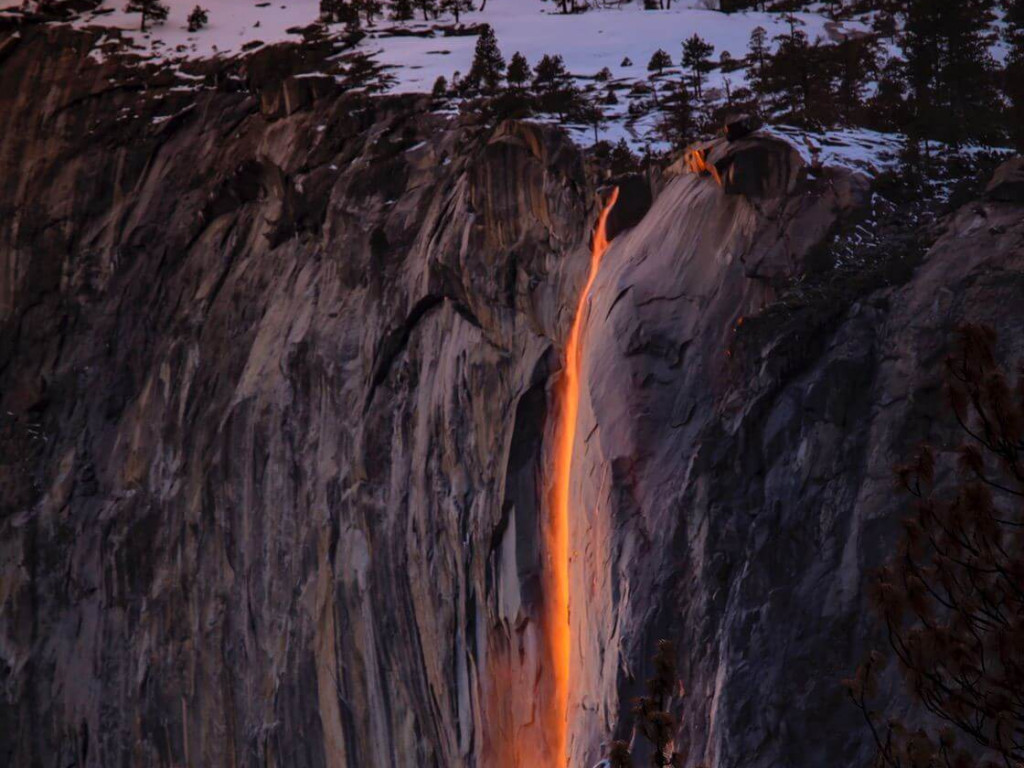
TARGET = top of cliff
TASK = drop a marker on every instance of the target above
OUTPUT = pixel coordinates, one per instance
(836, 102)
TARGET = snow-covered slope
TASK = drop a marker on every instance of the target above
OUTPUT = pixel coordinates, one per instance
(234, 25)
(588, 42)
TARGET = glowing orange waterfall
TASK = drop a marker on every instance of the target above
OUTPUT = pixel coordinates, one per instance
(557, 598)
(696, 162)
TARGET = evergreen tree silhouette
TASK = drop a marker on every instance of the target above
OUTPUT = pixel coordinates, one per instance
(1014, 74)
(401, 10)
(197, 19)
(660, 60)
(519, 72)
(153, 10)
(554, 87)
(950, 70)
(488, 64)
(951, 597)
(696, 55)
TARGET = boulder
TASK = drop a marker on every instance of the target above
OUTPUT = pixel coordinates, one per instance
(1007, 183)
(757, 166)
(740, 126)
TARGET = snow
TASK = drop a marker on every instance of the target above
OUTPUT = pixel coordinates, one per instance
(870, 152)
(232, 25)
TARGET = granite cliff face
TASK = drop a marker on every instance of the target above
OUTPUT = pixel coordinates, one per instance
(277, 375)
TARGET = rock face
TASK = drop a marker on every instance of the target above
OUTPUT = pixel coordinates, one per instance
(276, 389)
(1007, 183)
(735, 503)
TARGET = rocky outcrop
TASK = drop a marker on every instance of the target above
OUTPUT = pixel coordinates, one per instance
(1007, 183)
(276, 375)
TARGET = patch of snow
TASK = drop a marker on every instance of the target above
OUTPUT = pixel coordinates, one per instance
(870, 152)
(232, 24)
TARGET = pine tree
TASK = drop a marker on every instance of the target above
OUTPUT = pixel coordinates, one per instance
(696, 55)
(677, 124)
(727, 63)
(550, 72)
(888, 107)
(652, 714)
(950, 70)
(622, 159)
(793, 75)
(150, 9)
(949, 598)
(455, 7)
(885, 24)
(759, 47)
(555, 89)
(428, 7)
(440, 89)
(659, 61)
(488, 65)
(793, 22)
(197, 19)
(369, 8)
(338, 12)
(515, 101)
(519, 72)
(590, 112)
(401, 10)
(855, 60)
(1014, 73)
(1014, 18)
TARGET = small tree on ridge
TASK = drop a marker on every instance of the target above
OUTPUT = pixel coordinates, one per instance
(150, 9)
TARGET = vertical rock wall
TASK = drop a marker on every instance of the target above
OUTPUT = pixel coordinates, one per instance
(276, 401)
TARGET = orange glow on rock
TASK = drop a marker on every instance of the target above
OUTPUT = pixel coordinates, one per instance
(696, 162)
(557, 595)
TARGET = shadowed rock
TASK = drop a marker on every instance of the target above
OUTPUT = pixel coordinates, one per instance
(757, 166)
(740, 126)
(1007, 183)
(633, 203)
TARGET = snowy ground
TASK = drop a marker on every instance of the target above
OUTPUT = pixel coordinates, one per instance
(865, 150)
(588, 42)
(233, 24)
